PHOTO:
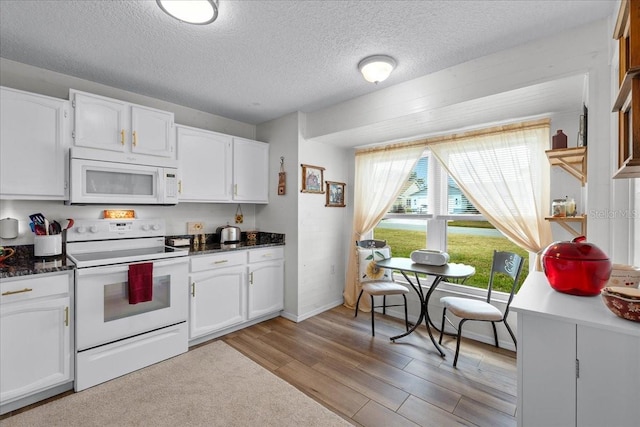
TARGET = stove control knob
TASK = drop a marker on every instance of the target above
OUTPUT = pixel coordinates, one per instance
(155, 227)
(93, 229)
(145, 227)
(80, 230)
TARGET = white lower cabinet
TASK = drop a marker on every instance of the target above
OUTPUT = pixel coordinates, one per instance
(266, 278)
(578, 364)
(35, 335)
(233, 288)
(217, 300)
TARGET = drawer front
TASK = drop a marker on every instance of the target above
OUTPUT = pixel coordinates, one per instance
(266, 254)
(227, 259)
(30, 287)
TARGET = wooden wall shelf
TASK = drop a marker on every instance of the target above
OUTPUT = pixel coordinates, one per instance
(573, 160)
(627, 103)
(564, 222)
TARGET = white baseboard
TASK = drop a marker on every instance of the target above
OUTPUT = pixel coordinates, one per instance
(316, 311)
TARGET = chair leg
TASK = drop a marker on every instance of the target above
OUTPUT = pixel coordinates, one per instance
(373, 327)
(495, 334)
(455, 359)
(384, 304)
(513, 337)
(406, 313)
(444, 311)
(358, 303)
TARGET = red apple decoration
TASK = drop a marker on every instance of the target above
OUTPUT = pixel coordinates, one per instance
(576, 267)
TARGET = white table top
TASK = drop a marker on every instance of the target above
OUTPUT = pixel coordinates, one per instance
(536, 296)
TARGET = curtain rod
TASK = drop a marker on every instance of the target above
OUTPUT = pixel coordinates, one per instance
(454, 136)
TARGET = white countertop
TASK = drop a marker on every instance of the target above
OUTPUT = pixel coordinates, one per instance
(536, 296)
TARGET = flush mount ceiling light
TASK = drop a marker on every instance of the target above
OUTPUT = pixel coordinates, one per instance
(199, 12)
(376, 68)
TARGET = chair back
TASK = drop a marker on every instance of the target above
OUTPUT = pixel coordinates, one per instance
(509, 264)
(371, 243)
(368, 252)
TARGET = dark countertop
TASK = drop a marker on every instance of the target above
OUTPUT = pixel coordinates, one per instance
(24, 263)
(213, 245)
(217, 247)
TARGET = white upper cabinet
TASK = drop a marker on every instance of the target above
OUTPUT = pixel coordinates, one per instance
(113, 125)
(219, 168)
(33, 144)
(250, 171)
(152, 132)
(204, 163)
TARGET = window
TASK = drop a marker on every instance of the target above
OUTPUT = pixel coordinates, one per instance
(413, 199)
(425, 206)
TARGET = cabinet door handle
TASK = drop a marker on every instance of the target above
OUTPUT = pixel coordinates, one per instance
(193, 289)
(122, 137)
(17, 292)
(180, 186)
(222, 261)
(235, 189)
(267, 255)
(135, 138)
(251, 278)
(66, 316)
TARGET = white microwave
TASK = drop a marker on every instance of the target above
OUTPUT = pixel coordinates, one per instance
(106, 182)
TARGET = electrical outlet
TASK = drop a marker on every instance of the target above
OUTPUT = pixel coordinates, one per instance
(195, 227)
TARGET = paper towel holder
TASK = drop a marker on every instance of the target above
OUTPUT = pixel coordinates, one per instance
(8, 228)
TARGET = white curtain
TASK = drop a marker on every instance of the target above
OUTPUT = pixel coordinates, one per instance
(380, 174)
(504, 172)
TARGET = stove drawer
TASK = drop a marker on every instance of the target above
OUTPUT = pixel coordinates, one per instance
(226, 259)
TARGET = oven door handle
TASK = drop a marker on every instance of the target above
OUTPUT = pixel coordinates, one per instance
(123, 268)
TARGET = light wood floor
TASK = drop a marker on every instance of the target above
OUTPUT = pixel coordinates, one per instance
(371, 381)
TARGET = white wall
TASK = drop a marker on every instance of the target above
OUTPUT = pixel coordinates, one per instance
(315, 261)
(176, 217)
(322, 232)
(282, 211)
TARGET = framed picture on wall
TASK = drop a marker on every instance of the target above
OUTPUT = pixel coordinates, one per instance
(312, 179)
(335, 194)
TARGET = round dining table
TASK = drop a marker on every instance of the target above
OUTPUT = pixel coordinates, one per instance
(408, 268)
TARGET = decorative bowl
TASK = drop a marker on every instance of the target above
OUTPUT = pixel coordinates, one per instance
(576, 267)
(623, 302)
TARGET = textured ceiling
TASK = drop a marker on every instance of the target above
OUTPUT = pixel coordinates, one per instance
(263, 59)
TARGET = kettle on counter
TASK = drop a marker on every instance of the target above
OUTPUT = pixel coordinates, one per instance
(228, 234)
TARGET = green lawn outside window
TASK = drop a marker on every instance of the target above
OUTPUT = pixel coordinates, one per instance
(464, 249)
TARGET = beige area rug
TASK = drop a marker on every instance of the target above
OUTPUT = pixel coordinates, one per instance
(212, 385)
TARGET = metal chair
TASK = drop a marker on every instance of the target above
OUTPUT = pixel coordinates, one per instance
(507, 263)
(377, 281)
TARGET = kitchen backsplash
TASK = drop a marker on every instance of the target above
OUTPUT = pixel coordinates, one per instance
(176, 217)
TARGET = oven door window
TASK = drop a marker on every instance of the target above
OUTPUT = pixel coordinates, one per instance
(116, 299)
